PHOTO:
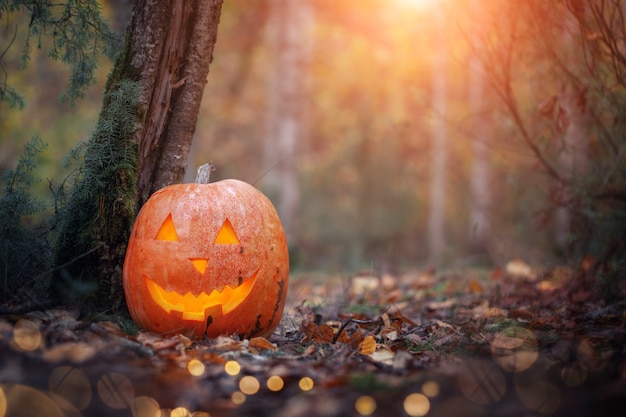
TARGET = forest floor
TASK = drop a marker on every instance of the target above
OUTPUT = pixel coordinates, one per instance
(506, 342)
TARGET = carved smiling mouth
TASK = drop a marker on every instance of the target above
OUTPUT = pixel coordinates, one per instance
(194, 307)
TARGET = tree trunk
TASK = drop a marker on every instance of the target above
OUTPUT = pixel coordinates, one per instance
(289, 36)
(140, 145)
(481, 132)
(436, 225)
(572, 121)
(173, 43)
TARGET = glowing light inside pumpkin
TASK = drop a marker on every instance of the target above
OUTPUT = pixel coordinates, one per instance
(200, 264)
(226, 235)
(167, 231)
(194, 307)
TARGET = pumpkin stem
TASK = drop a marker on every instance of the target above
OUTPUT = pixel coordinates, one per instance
(204, 172)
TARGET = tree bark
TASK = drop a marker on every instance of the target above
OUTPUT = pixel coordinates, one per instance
(173, 43)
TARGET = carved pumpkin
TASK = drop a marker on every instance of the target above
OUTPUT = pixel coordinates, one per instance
(207, 258)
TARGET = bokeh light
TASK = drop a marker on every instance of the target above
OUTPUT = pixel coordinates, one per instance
(69, 385)
(22, 400)
(3, 403)
(26, 335)
(275, 383)
(306, 383)
(144, 406)
(515, 349)
(238, 398)
(593, 358)
(195, 367)
(430, 389)
(365, 405)
(416, 405)
(180, 412)
(232, 368)
(115, 390)
(481, 381)
(249, 385)
(537, 395)
(573, 374)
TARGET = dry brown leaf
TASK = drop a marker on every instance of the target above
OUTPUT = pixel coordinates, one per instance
(261, 343)
(367, 346)
(491, 312)
(74, 352)
(383, 356)
(520, 269)
(436, 305)
(353, 340)
(362, 285)
(475, 287)
(314, 333)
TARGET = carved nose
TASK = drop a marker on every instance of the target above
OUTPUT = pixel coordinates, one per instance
(200, 264)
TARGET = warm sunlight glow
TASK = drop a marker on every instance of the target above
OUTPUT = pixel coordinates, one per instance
(418, 4)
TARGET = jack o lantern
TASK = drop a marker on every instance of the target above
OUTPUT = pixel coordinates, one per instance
(207, 259)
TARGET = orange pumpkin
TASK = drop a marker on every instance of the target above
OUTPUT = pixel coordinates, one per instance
(207, 259)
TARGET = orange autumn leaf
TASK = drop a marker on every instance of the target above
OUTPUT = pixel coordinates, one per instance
(261, 343)
(474, 286)
(367, 346)
(314, 333)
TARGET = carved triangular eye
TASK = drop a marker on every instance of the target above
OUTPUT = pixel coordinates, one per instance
(167, 231)
(227, 235)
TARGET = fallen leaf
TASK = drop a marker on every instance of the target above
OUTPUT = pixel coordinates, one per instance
(475, 287)
(74, 352)
(520, 269)
(383, 356)
(367, 346)
(314, 333)
(261, 343)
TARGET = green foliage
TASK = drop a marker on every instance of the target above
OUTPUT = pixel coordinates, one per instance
(77, 32)
(99, 212)
(25, 253)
